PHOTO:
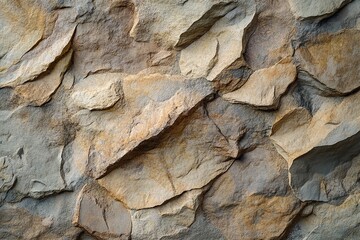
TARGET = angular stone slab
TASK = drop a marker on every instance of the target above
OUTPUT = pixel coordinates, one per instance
(100, 215)
(331, 60)
(191, 155)
(98, 91)
(220, 47)
(265, 87)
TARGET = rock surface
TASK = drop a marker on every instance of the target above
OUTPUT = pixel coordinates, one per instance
(316, 164)
(265, 86)
(18, 37)
(179, 119)
(101, 215)
(219, 47)
(38, 92)
(304, 9)
(332, 61)
(164, 172)
(169, 220)
(98, 91)
(148, 110)
(256, 204)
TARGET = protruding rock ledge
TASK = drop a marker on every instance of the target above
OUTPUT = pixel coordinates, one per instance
(319, 148)
(265, 87)
(220, 47)
(191, 155)
(38, 92)
(152, 103)
(98, 91)
(29, 69)
(152, 21)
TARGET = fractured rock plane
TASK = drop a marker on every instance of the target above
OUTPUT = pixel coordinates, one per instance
(180, 119)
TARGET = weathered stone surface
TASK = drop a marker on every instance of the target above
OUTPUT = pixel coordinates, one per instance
(117, 119)
(185, 160)
(29, 69)
(180, 28)
(34, 142)
(167, 221)
(38, 92)
(98, 91)
(213, 48)
(100, 215)
(315, 164)
(23, 25)
(304, 9)
(332, 61)
(7, 176)
(252, 199)
(161, 58)
(17, 223)
(102, 41)
(268, 42)
(265, 86)
(330, 222)
(250, 125)
(151, 104)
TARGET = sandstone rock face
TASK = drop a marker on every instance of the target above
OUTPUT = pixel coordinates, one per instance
(316, 164)
(242, 207)
(331, 61)
(29, 69)
(163, 172)
(38, 92)
(23, 26)
(179, 119)
(219, 47)
(265, 86)
(304, 9)
(101, 215)
(98, 91)
(169, 220)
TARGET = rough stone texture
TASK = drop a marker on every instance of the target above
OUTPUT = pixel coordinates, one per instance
(179, 119)
(98, 91)
(168, 221)
(29, 69)
(332, 61)
(304, 9)
(101, 215)
(316, 164)
(23, 26)
(265, 86)
(220, 47)
(33, 141)
(38, 92)
(327, 221)
(164, 172)
(245, 208)
(147, 111)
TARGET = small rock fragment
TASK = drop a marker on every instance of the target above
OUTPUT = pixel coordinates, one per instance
(98, 91)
